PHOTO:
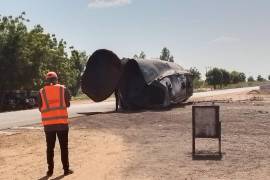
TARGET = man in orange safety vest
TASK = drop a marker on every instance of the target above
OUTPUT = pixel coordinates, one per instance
(53, 100)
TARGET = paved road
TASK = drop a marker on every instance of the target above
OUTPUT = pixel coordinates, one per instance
(225, 91)
(28, 117)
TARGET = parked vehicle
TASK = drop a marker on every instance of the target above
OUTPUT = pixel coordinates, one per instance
(18, 99)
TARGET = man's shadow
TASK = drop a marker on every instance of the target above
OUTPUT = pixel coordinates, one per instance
(48, 178)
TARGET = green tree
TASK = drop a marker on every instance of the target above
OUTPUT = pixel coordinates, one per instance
(226, 77)
(214, 77)
(269, 77)
(166, 55)
(235, 77)
(250, 79)
(242, 77)
(171, 59)
(196, 77)
(142, 55)
(78, 62)
(195, 73)
(260, 78)
(12, 59)
(27, 55)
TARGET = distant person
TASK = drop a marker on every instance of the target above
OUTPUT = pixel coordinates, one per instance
(53, 101)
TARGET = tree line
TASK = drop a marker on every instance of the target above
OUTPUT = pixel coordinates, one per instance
(221, 77)
(27, 54)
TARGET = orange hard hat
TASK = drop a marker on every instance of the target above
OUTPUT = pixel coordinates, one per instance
(51, 75)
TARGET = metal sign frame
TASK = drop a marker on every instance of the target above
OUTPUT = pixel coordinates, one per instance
(217, 127)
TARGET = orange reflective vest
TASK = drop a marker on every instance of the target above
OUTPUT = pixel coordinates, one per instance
(53, 109)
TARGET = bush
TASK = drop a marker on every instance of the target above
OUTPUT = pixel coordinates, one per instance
(251, 79)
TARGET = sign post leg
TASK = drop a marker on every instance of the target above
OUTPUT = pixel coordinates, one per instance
(219, 145)
(193, 146)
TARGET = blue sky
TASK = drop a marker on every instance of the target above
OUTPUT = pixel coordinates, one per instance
(232, 34)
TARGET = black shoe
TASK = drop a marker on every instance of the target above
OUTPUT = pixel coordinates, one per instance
(68, 172)
(49, 173)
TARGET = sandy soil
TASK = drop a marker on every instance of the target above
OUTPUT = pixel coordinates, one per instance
(149, 145)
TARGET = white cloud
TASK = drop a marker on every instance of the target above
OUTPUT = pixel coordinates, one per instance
(107, 3)
(225, 40)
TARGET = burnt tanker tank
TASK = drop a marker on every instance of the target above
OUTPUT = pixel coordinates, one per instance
(141, 84)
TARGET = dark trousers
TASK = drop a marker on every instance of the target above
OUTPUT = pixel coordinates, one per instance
(63, 141)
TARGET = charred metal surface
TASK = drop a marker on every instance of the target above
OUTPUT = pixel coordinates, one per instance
(140, 83)
(101, 76)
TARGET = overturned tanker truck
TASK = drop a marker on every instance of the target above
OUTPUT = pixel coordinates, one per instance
(139, 83)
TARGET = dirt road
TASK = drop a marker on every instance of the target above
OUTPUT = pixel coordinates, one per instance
(149, 145)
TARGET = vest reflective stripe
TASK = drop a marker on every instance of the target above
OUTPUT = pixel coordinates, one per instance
(54, 122)
(61, 96)
(45, 98)
(56, 113)
(53, 109)
(53, 118)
